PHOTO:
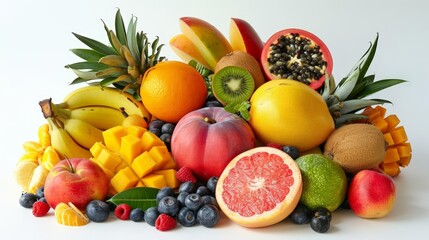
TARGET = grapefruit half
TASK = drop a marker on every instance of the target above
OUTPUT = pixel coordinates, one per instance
(259, 187)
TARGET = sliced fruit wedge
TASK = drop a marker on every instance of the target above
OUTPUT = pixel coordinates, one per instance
(70, 215)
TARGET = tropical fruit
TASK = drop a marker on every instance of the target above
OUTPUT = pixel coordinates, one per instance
(70, 215)
(324, 182)
(259, 187)
(172, 83)
(398, 151)
(290, 113)
(131, 156)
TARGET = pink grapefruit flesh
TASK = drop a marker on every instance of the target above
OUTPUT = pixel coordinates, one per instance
(259, 187)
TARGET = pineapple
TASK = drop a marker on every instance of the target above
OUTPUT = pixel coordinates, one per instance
(346, 99)
(123, 63)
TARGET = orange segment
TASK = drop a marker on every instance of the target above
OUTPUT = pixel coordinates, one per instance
(70, 215)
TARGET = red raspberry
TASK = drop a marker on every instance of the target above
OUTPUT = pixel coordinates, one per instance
(122, 211)
(40, 208)
(165, 222)
(184, 174)
(274, 145)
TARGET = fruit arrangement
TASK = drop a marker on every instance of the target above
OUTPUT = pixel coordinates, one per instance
(256, 130)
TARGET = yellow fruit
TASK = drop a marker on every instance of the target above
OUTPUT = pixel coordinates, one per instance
(70, 215)
(288, 112)
(24, 172)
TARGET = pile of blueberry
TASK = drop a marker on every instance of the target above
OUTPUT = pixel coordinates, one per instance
(319, 219)
(193, 204)
(163, 130)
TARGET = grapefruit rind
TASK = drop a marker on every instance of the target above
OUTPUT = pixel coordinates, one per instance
(270, 216)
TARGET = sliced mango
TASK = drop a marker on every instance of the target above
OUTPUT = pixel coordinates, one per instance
(143, 164)
(112, 137)
(130, 148)
(170, 177)
(124, 179)
(150, 140)
(154, 181)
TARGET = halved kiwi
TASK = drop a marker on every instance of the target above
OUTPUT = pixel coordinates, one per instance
(232, 84)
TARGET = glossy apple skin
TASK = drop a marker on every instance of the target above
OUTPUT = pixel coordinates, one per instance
(371, 194)
(79, 183)
(207, 139)
(209, 41)
(244, 37)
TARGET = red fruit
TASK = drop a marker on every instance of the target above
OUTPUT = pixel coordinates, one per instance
(274, 145)
(122, 211)
(207, 139)
(184, 174)
(297, 57)
(40, 208)
(165, 222)
(244, 37)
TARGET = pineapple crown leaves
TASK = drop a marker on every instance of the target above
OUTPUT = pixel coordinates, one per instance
(349, 96)
(122, 63)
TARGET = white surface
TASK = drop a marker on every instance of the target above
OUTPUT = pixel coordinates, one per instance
(36, 36)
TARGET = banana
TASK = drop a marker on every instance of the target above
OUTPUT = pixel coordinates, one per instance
(64, 144)
(82, 132)
(24, 173)
(37, 179)
(43, 135)
(107, 96)
(99, 116)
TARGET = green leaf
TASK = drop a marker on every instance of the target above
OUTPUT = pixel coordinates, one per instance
(78, 80)
(87, 75)
(120, 28)
(357, 104)
(347, 118)
(138, 197)
(368, 59)
(239, 107)
(344, 90)
(361, 84)
(87, 54)
(378, 86)
(87, 65)
(96, 45)
(132, 39)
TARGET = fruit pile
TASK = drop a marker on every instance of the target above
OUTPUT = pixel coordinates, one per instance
(257, 130)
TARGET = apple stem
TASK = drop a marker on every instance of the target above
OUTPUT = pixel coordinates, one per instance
(209, 120)
(70, 165)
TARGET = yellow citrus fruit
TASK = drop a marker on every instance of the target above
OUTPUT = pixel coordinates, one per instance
(288, 112)
(259, 187)
(324, 182)
(70, 215)
(171, 89)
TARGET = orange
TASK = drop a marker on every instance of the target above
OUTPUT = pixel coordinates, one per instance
(171, 89)
(70, 215)
(259, 187)
(288, 112)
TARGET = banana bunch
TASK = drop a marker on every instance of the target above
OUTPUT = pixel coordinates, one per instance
(79, 121)
(36, 162)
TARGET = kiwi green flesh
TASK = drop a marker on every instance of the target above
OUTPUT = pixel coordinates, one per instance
(296, 57)
(232, 85)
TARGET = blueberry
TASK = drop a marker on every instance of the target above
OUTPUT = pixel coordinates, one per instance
(211, 184)
(27, 200)
(207, 199)
(301, 215)
(187, 217)
(163, 192)
(97, 211)
(292, 151)
(320, 223)
(156, 124)
(167, 128)
(193, 201)
(213, 103)
(203, 190)
(168, 205)
(188, 187)
(137, 215)
(156, 131)
(150, 215)
(208, 215)
(40, 192)
(181, 198)
(42, 199)
(321, 211)
(112, 206)
(166, 138)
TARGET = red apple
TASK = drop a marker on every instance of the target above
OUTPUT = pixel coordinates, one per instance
(243, 37)
(371, 194)
(76, 180)
(207, 139)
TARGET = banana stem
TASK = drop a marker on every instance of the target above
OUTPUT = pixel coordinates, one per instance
(46, 106)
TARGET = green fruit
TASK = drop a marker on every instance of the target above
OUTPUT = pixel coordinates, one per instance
(324, 182)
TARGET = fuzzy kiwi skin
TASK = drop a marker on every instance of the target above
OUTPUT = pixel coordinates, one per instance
(356, 147)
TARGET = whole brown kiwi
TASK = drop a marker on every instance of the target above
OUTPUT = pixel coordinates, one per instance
(243, 60)
(356, 147)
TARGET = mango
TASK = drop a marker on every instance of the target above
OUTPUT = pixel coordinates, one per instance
(186, 50)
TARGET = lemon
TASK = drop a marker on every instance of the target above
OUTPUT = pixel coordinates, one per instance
(324, 182)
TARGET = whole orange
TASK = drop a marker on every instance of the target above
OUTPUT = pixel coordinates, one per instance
(171, 89)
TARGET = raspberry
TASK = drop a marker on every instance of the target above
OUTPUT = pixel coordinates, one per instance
(274, 145)
(122, 211)
(165, 222)
(40, 208)
(184, 174)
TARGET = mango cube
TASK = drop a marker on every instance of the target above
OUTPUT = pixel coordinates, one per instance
(96, 149)
(161, 156)
(130, 148)
(150, 140)
(112, 137)
(154, 181)
(135, 131)
(124, 179)
(392, 155)
(143, 164)
(170, 177)
(108, 160)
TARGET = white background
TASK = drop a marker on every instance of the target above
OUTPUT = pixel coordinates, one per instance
(35, 38)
